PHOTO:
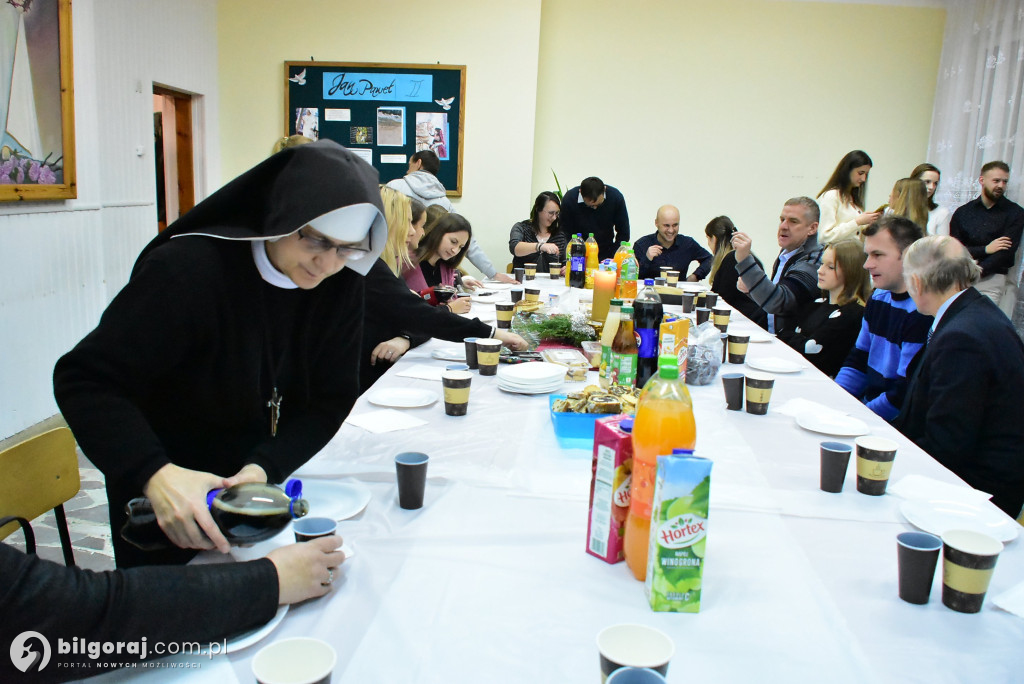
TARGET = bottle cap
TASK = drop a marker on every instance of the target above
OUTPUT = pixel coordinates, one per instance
(648, 281)
(682, 452)
(627, 309)
(626, 425)
(211, 495)
(615, 302)
(293, 488)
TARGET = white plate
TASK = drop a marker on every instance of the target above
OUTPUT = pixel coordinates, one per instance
(829, 423)
(773, 364)
(450, 354)
(690, 287)
(538, 373)
(531, 386)
(759, 336)
(258, 634)
(530, 390)
(496, 285)
(337, 500)
(938, 516)
(401, 397)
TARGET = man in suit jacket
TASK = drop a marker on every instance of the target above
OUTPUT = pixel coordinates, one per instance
(794, 280)
(967, 384)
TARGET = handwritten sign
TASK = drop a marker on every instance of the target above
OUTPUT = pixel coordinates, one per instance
(385, 87)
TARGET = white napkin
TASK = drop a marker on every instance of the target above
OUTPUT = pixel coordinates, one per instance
(422, 371)
(797, 407)
(921, 488)
(1011, 600)
(384, 420)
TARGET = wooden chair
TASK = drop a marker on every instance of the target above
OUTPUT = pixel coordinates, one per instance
(37, 475)
(509, 267)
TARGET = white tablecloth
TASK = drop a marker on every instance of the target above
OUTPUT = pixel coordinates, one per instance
(489, 582)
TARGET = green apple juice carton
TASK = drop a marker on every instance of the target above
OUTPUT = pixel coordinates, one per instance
(679, 529)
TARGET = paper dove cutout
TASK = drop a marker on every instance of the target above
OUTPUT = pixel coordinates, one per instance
(299, 78)
(445, 102)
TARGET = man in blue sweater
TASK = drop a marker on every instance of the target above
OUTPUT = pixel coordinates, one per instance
(593, 207)
(893, 330)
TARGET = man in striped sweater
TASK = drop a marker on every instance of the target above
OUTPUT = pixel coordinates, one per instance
(893, 330)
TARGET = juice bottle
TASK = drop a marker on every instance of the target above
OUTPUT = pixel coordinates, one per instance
(627, 276)
(623, 362)
(611, 326)
(664, 421)
(619, 255)
(591, 260)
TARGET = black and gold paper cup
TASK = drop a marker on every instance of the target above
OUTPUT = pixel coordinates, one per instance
(533, 294)
(505, 313)
(738, 348)
(759, 392)
(456, 391)
(721, 318)
(874, 464)
(968, 560)
(487, 352)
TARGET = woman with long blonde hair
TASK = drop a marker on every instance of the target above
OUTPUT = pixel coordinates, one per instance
(828, 327)
(406, 218)
(909, 199)
(723, 275)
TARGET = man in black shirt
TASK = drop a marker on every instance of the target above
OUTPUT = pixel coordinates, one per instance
(593, 207)
(990, 228)
(667, 247)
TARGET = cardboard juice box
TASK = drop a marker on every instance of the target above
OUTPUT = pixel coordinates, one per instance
(679, 529)
(609, 488)
(673, 337)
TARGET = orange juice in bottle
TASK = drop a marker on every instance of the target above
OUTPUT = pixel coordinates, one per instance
(591, 261)
(664, 421)
(619, 255)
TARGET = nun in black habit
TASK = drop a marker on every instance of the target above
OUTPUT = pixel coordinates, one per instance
(232, 353)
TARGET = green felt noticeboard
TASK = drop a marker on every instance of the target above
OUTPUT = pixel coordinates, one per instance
(384, 112)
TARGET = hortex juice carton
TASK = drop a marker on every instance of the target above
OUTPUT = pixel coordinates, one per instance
(609, 487)
(679, 529)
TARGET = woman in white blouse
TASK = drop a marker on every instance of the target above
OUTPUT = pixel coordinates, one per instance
(938, 216)
(842, 199)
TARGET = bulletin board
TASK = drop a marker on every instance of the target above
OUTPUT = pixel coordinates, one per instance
(382, 112)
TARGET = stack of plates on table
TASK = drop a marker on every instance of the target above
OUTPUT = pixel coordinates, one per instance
(531, 378)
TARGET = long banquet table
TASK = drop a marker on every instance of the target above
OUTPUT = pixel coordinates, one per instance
(489, 581)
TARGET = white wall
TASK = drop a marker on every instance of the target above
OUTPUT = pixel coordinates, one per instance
(61, 262)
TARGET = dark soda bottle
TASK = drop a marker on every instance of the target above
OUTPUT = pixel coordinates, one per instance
(578, 262)
(647, 315)
(246, 513)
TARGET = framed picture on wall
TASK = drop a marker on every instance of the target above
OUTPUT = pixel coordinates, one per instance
(383, 112)
(37, 144)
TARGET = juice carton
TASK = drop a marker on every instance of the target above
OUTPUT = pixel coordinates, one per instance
(673, 336)
(609, 487)
(679, 528)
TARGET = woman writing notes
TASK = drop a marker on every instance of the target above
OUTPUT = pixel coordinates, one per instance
(842, 199)
(539, 240)
(232, 352)
(435, 263)
(828, 327)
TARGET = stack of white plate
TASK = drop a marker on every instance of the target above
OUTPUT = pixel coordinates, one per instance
(531, 378)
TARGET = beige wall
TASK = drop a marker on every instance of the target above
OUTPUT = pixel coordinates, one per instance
(730, 107)
(496, 40)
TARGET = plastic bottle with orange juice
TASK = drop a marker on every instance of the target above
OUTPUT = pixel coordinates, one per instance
(628, 273)
(591, 261)
(664, 421)
(619, 255)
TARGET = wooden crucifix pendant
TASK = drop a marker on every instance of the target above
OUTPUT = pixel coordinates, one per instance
(275, 411)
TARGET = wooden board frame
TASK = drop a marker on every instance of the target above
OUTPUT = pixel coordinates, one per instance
(23, 187)
(305, 90)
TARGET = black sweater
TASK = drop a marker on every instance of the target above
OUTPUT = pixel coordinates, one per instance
(197, 603)
(725, 285)
(834, 328)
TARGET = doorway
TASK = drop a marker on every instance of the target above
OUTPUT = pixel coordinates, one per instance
(173, 146)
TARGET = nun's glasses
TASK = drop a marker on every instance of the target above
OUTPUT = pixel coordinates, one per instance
(315, 243)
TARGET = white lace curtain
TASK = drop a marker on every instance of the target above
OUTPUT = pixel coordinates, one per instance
(977, 115)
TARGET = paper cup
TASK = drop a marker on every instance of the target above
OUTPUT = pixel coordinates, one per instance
(759, 392)
(487, 353)
(456, 391)
(411, 471)
(532, 294)
(636, 675)
(710, 300)
(519, 274)
(733, 385)
(516, 293)
(555, 270)
(835, 459)
(307, 529)
(916, 554)
(505, 313)
(672, 277)
(703, 313)
(470, 343)
(721, 317)
(660, 282)
(738, 348)
(531, 271)
(688, 298)
(299, 660)
(633, 646)
(968, 560)
(874, 464)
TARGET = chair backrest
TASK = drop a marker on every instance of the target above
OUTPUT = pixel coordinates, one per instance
(509, 267)
(37, 475)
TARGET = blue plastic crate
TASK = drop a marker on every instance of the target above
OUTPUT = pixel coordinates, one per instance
(573, 430)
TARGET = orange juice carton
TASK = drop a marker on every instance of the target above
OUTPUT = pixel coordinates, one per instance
(679, 529)
(609, 487)
(672, 338)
